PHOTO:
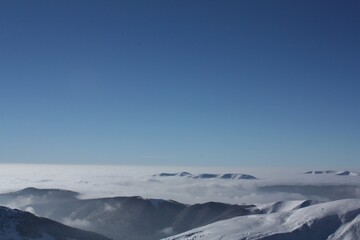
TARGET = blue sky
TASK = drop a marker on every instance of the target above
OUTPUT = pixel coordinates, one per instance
(235, 83)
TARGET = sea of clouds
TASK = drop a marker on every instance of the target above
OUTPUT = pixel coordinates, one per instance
(96, 181)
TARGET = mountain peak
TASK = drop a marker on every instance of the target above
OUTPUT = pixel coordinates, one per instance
(207, 175)
(339, 173)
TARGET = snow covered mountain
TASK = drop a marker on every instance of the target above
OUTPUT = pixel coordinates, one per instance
(284, 206)
(320, 172)
(326, 221)
(348, 231)
(136, 218)
(179, 174)
(207, 175)
(339, 173)
(19, 225)
(122, 218)
(347, 173)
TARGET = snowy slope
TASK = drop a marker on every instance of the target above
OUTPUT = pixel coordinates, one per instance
(316, 222)
(284, 206)
(348, 231)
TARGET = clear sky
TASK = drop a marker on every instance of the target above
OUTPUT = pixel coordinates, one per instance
(236, 83)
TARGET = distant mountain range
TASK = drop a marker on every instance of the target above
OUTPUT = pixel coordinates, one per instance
(207, 175)
(339, 173)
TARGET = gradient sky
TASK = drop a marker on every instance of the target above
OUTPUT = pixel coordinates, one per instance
(235, 83)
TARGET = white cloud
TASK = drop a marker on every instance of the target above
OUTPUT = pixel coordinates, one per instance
(20, 203)
(77, 223)
(110, 181)
(110, 208)
(30, 210)
(167, 231)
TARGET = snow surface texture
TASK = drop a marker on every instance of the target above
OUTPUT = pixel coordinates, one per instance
(272, 185)
(326, 221)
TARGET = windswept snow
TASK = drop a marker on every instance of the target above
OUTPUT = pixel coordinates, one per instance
(315, 222)
(284, 206)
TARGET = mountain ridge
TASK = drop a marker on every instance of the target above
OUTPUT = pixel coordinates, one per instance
(317, 222)
(333, 172)
(21, 225)
(207, 175)
(122, 218)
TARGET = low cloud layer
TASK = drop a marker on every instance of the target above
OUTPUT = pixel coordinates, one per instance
(108, 181)
(77, 223)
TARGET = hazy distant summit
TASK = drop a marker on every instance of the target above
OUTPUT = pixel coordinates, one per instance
(320, 172)
(339, 173)
(347, 173)
(207, 175)
(179, 174)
